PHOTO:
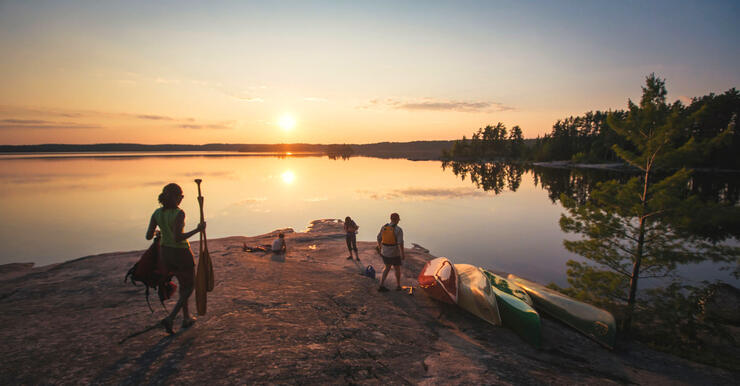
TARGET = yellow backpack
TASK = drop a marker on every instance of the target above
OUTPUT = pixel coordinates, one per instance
(388, 235)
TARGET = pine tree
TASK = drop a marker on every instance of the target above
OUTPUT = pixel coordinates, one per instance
(639, 229)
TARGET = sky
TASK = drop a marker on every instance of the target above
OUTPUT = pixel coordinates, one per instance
(343, 71)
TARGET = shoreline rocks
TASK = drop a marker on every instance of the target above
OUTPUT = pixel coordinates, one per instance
(313, 319)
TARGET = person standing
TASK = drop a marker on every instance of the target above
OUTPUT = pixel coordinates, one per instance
(176, 254)
(350, 227)
(390, 245)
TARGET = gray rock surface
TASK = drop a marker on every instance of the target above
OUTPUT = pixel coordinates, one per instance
(312, 319)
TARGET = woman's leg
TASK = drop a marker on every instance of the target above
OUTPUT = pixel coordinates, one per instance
(348, 239)
(186, 290)
(354, 246)
(186, 280)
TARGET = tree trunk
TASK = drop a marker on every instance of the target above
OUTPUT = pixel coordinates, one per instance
(633, 279)
(627, 326)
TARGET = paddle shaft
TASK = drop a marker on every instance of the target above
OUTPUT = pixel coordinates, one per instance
(202, 217)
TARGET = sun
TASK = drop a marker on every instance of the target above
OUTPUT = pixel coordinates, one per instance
(287, 122)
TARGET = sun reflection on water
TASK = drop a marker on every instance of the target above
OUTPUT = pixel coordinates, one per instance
(288, 176)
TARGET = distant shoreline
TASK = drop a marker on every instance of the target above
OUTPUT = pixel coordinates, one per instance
(415, 150)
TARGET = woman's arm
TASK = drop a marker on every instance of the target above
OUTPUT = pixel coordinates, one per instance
(152, 227)
(179, 227)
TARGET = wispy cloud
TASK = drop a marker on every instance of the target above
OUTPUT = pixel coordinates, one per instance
(430, 104)
(423, 194)
(36, 124)
(315, 99)
(154, 117)
(215, 126)
(14, 117)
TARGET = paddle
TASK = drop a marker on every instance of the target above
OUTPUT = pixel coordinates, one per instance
(204, 276)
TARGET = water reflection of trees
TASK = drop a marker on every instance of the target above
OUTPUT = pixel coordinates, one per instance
(498, 177)
(574, 183)
(489, 176)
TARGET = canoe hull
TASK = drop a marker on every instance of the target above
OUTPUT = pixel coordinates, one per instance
(439, 280)
(591, 321)
(475, 294)
(516, 313)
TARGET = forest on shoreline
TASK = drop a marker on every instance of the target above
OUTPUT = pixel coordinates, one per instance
(590, 138)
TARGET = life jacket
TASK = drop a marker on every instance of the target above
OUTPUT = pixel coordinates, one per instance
(388, 235)
(150, 271)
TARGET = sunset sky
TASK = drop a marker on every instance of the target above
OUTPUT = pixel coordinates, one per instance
(343, 72)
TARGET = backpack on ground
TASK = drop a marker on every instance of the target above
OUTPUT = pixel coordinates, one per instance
(150, 271)
(370, 272)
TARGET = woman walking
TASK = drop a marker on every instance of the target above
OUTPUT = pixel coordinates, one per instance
(176, 254)
(351, 228)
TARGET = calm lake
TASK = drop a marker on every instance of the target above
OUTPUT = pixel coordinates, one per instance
(60, 207)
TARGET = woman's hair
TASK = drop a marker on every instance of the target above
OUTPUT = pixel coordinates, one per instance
(170, 195)
(349, 221)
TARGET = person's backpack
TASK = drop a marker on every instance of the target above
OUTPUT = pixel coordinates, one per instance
(388, 235)
(370, 272)
(150, 271)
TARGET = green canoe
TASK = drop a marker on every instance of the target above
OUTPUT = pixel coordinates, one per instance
(515, 308)
(593, 322)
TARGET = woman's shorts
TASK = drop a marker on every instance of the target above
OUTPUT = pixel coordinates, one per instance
(391, 260)
(178, 259)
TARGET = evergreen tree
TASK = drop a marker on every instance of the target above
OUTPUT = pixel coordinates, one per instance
(639, 229)
(516, 143)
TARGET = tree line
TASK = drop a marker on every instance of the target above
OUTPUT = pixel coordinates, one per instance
(591, 137)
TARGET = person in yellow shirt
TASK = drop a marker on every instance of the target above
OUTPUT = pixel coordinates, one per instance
(176, 254)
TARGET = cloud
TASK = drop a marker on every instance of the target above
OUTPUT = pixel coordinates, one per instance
(315, 99)
(214, 126)
(423, 194)
(154, 117)
(27, 117)
(36, 124)
(429, 104)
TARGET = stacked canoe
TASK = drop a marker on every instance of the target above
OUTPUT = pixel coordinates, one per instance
(512, 301)
(591, 321)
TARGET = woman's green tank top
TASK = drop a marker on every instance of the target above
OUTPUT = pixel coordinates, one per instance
(165, 219)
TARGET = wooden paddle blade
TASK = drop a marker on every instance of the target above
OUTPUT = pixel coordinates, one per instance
(210, 282)
(201, 282)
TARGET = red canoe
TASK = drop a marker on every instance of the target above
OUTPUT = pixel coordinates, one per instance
(439, 280)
